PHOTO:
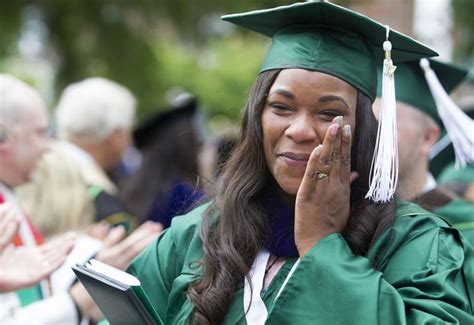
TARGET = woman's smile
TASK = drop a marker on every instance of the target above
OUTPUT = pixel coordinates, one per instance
(299, 160)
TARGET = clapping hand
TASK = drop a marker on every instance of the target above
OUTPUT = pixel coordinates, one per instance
(119, 252)
(22, 267)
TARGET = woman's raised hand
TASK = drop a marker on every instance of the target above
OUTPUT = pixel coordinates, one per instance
(323, 199)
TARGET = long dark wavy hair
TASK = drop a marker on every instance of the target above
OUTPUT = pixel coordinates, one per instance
(231, 244)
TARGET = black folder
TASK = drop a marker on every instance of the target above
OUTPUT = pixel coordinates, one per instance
(118, 294)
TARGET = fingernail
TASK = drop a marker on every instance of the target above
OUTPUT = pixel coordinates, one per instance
(334, 129)
(318, 149)
(346, 130)
(338, 120)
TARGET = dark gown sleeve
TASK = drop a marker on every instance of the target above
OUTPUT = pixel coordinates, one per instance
(421, 282)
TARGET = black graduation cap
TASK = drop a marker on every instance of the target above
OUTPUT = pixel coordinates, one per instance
(145, 132)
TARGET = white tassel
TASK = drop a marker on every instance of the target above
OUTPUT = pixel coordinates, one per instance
(384, 168)
(459, 126)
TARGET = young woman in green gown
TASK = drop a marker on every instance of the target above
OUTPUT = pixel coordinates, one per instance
(289, 236)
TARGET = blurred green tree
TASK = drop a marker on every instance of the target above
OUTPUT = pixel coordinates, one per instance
(146, 45)
(463, 17)
(151, 46)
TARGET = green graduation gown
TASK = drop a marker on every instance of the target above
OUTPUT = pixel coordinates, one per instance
(451, 174)
(421, 280)
(460, 214)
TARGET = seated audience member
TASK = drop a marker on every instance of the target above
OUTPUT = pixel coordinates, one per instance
(165, 185)
(23, 129)
(59, 197)
(95, 117)
(24, 124)
(419, 121)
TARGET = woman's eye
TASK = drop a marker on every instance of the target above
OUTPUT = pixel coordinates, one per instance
(280, 107)
(329, 114)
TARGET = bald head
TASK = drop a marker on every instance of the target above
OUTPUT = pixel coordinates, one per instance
(417, 132)
(24, 119)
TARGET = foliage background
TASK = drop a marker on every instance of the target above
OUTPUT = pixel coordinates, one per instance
(150, 46)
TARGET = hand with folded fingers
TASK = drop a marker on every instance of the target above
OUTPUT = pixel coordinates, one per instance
(323, 198)
(22, 267)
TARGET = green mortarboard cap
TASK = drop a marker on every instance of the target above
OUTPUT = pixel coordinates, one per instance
(411, 86)
(325, 37)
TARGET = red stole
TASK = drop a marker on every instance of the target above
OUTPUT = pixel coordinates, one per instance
(17, 241)
(35, 293)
